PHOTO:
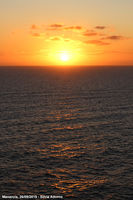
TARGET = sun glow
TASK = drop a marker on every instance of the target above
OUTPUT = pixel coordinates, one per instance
(64, 56)
(61, 53)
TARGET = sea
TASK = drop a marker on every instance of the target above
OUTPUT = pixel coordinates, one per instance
(66, 133)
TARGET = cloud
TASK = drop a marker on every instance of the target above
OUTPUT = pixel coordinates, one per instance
(73, 28)
(35, 31)
(93, 36)
(90, 33)
(56, 38)
(97, 42)
(115, 37)
(34, 27)
(36, 34)
(63, 27)
(56, 25)
(100, 27)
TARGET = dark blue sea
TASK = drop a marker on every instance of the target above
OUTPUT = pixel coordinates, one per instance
(66, 132)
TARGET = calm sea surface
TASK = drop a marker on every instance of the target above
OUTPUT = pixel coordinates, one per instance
(67, 132)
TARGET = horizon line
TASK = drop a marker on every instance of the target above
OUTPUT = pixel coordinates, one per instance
(65, 66)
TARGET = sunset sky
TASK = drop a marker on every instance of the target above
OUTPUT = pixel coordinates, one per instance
(66, 32)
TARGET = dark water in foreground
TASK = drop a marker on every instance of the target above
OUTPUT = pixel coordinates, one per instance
(67, 132)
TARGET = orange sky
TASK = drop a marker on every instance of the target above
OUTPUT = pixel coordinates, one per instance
(72, 32)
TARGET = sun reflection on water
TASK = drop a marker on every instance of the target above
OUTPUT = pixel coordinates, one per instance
(71, 149)
(67, 183)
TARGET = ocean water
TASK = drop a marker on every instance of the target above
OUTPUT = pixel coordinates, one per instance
(67, 132)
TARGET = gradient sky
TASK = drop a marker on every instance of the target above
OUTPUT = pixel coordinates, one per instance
(90, 32)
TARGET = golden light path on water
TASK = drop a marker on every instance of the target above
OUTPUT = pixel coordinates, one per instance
(65, 178)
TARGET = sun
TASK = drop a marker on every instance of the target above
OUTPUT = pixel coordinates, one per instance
(64, 56)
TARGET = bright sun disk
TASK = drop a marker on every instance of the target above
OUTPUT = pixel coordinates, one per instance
(64, 56)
